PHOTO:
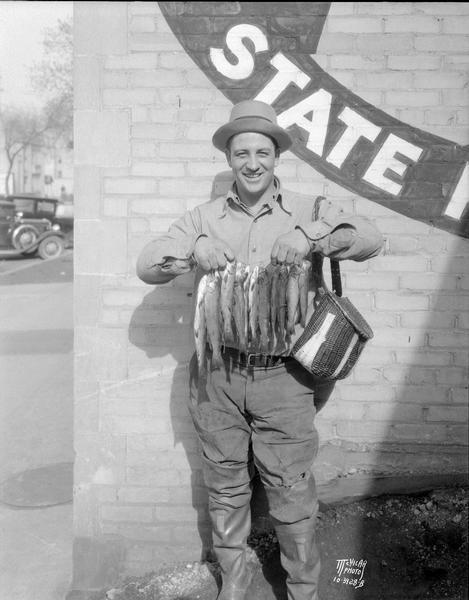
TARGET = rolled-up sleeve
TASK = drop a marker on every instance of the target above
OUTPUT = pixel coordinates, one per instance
(356, 238)
(171, 254)
(341, 236)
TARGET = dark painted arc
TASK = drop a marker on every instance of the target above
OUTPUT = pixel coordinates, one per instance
(294, 28)
(428, 185)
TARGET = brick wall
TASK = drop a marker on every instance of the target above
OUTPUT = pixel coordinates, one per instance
(144, 119)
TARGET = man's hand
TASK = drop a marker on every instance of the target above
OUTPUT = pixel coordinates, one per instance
(212, 253)
(290, 248)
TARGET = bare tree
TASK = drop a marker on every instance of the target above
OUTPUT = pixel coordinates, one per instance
(21, 128)
(53, 78)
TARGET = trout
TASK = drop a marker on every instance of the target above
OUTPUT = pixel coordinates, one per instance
(253, 303)
(303, 285)
(200, 332)
(212, 316)
(282, 305)
(274, 271)
(226, 295)
(246, 302)
(238, 305)
(293, 298)
(263, 282)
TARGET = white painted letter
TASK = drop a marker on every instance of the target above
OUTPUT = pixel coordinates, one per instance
(357, 126)
(287, 73)
(320, 104)
(234, 40)
(386, 159)
(460, 196)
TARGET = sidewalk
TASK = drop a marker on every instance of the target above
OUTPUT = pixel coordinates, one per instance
(35, 552)
(36, 414)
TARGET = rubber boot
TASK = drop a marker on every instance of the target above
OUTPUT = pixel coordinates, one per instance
(299, 556)
(231, 527)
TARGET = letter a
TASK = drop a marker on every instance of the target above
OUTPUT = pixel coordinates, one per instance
(320, 104)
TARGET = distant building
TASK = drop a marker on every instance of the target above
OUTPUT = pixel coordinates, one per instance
(45, 171)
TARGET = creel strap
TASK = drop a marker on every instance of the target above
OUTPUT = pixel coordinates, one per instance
(336, 280)
(335, 266)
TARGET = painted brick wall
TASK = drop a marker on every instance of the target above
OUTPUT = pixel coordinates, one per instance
(144, 119)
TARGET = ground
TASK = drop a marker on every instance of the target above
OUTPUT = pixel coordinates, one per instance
(415, 548)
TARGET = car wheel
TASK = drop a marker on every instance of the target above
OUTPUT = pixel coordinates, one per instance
(23, 237)
(51, 247)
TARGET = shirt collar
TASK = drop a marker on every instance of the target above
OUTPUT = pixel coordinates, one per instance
(278, 196)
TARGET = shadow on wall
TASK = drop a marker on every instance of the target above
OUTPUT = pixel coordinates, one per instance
(424, 432)
(181, 351)
(175, 340)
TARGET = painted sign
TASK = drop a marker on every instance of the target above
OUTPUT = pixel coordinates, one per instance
(265, 51)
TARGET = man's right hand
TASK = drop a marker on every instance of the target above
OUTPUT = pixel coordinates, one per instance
(212, 253)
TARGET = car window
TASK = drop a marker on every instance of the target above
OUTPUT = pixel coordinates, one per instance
(46, 207)
(24, 205)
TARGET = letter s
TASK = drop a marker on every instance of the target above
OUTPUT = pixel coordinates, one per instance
(234, 41)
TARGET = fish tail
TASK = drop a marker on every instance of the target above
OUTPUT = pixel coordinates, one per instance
(202, 367)
(200, 332)
(217, 359)
(264, 343)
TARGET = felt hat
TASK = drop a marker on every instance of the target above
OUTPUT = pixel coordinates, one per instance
(252, 115)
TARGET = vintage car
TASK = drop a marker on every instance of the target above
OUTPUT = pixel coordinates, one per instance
(30, 224)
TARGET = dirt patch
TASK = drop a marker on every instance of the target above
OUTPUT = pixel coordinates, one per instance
(396, 547)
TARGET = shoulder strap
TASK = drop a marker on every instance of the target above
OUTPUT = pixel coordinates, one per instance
(336, 280)
(318, 260)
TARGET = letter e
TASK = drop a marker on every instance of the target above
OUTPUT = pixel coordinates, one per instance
(386, 159)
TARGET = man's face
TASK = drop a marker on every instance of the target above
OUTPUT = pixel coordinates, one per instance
(252, 157)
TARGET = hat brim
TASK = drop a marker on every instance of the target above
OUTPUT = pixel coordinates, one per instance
(225, 132)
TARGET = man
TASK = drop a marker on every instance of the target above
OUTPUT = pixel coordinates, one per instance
(259, 412)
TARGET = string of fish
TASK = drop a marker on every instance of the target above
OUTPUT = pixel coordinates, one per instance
(252, 308)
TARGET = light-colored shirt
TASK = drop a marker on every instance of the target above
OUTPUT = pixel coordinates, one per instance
(252, 236)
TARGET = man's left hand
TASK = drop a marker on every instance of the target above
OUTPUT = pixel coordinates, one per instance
(290, 248)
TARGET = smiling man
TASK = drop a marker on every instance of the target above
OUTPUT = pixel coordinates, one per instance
(257, 412)
(253, 158)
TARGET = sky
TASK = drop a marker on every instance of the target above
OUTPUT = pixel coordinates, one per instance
(22, 27)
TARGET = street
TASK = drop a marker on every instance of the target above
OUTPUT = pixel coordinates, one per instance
(36, 434)
(36, 345)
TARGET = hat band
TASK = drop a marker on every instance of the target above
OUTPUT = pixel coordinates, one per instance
(254, 117)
